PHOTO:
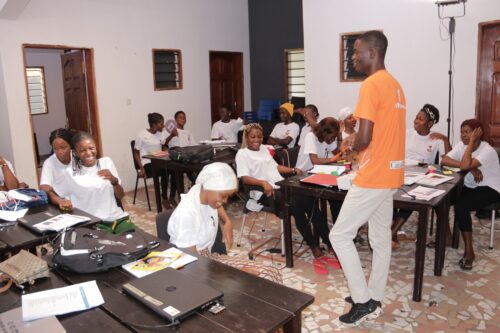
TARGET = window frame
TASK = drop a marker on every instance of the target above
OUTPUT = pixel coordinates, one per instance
(287, 91)
(343, 76)
(43, 86)
(179, 72)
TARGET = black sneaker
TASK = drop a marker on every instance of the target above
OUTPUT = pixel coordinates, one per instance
(349, 300)
(360, 312)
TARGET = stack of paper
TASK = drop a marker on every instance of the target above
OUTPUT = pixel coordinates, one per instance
(433, 179)
(60, 222)
(59, 301)
(156, 261)
(334, 170)
(424, 193)
(412, 177)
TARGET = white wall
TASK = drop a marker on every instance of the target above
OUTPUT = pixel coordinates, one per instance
(43, 124)
(122, 34)
(416, 55)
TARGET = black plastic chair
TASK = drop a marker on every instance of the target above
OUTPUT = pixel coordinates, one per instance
(162, 224)
(138, 170)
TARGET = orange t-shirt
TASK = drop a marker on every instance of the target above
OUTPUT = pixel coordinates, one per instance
(382, 101)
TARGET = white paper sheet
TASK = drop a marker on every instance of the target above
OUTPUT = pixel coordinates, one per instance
(12, 215)
(335, 170)
(59, 301)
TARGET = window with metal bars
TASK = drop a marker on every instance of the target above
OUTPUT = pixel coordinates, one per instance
(167, 69)
(347, 71)
(295, 73)
(36, 90)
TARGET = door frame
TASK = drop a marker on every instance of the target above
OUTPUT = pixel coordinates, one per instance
(481, 27)
(240, 53)
(90, 85)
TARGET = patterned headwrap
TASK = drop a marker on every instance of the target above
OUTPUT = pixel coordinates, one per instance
(432, 112)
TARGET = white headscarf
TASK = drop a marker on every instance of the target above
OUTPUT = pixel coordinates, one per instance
(344, 113)
(217, 176)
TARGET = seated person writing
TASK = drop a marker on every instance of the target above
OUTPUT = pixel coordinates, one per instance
(422, 146)
(286, 132)
(194, 223)
(255, 166)
(481, 184)
(57, 167)
(226, 128)
(93, 184)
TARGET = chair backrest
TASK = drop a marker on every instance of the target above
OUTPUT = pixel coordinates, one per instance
(162, 224)
(287, 156)
(132, 146)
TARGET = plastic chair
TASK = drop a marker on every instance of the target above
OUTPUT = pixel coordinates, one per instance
(138, 170)
(493, 207)
(162, 224)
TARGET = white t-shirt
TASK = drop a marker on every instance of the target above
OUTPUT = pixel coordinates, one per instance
(193, 224)
(490, 166)
(345, 135)
(313, 146)
(257, 164)
(54, 173)
(148, 143)
(303, 132)
(227, 131)
(2, 183)
(184, 138)
(422, 148)
(91, 193)
(281, 131)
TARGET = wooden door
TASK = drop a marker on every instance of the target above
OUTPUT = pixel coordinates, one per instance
(226, 82)
(488, 81)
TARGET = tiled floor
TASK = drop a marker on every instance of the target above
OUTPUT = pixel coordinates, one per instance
(455, 302)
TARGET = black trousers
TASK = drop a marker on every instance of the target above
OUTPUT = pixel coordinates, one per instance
(304, 210)
(473, 199)
(163, 178)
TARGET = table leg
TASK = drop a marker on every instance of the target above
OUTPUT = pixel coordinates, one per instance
(441, 227)
(294, 325)
(423, 216)
(156, 182)
(287, 226)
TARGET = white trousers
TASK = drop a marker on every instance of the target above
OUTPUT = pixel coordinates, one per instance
(363, 205)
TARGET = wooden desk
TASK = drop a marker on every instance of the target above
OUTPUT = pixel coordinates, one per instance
(252, 304)
(293, 186)
(17, 237)
(93, 320)
(179, 169)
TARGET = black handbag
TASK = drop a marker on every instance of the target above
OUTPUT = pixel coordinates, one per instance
(85, 250)
(192, 154)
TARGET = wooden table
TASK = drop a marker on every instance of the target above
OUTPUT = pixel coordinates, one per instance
(16, 237)
(252, 304)
(179, 169)
(293, 186)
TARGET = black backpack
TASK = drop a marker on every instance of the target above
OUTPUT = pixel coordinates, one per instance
(101, 250)
(192, 154)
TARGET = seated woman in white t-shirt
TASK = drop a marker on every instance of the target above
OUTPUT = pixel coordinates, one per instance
(347, 123)
(149, 141)
(286, 132)
(255, 166)
(8, 179)
(57, 167)
(93, 184)
(481, 184)
(179, 136)
(226, 128)
(422, 146)
(310, 114)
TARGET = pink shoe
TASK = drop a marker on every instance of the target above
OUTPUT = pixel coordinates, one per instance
(332, 262)
(319, 267)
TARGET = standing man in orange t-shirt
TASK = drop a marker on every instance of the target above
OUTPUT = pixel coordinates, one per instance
(380, 143)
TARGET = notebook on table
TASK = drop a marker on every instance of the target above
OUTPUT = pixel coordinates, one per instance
(321, 179)
(172, 294)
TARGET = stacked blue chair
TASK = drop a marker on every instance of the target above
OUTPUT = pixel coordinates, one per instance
(267, 107)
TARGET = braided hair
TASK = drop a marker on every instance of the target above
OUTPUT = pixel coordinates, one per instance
(77, 162)
(246, 132)
(155, 118)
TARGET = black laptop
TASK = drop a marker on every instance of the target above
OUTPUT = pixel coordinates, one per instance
(35, 215)
(172, 294)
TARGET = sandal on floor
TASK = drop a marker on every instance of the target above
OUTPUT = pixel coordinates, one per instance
(465, 264)
(319, 267)
(332, 262)
(395, 245)
(403, 237)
